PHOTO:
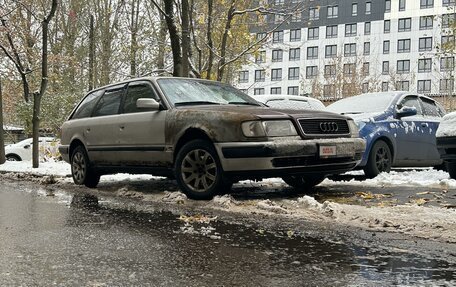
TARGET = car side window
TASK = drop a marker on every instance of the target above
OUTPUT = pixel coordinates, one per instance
(135, 92)
(429, 108)
(412, 101)
(109, 103)
(86, 107)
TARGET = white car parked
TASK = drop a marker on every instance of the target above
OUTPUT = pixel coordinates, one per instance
(23, 149)
(446, 142)
(290, 102)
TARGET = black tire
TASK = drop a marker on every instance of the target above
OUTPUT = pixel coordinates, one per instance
(13, 157)
(451, 168)
(379, 160)
(82, 172)
(303, 182)
(199, 173)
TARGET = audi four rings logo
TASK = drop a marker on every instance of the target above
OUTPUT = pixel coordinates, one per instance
(329, 127)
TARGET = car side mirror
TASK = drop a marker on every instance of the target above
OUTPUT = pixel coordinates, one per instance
(406, 112)
(147, 103)
(27, 146)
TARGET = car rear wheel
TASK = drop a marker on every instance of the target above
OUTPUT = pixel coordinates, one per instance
(451, 168)
(199, 172)
(13, 157)
(380, 160)
(303, 182)
(81, 171)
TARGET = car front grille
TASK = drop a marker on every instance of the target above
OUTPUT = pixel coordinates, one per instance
(324, 127)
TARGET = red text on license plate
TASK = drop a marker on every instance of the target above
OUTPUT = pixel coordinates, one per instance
(328, 150)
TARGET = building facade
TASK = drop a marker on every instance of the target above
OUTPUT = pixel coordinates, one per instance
(332, 49)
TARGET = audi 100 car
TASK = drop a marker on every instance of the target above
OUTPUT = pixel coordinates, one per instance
(204, 133)
(446, 142)
(399, 129)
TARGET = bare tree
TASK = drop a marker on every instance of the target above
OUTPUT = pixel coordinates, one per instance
(2, 132)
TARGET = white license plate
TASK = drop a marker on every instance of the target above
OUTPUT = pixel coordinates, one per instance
(327, 150)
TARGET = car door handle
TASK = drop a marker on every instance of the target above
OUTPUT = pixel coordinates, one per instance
(122, 128)
(88, 130)
(424, 125)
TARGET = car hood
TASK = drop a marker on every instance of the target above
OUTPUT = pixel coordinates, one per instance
(260, 112)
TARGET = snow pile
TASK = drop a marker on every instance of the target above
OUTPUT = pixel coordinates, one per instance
(447, 126)
(57, 168)
(268, 205)
(174, 197)
(224, 201)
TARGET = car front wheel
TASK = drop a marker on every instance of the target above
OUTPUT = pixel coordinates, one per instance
(303, 182)
(13, 157)
(451, 168)
(380, 160)
(81, 171)
(198, 170)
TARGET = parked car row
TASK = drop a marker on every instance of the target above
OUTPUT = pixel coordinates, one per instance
(208, 135)
(446, 142)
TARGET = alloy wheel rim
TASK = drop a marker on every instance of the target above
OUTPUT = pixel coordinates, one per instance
(382, 159)
(199, 170)
(79, 167)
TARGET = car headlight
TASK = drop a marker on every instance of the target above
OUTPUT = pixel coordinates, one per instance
(354, 131)
(281, 128)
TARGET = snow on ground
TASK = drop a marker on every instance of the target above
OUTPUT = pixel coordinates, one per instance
(423, 221)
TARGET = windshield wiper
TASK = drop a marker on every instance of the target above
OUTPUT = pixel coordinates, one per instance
(351, 113)
(243, 103)
(196, 103)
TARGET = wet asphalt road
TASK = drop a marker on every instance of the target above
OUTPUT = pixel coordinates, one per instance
(46, 241)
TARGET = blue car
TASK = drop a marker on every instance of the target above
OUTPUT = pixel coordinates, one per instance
(399, 129)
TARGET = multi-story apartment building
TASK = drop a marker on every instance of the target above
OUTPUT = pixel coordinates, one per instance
(334, 48)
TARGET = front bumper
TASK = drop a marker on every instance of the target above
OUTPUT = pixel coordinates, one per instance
(447, 148)
(290, 156)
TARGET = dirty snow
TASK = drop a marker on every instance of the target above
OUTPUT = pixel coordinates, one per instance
(412, 218)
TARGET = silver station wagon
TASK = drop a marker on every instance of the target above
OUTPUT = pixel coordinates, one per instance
(206, 134)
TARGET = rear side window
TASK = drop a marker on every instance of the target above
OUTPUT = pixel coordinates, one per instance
(109, 103)
(430, 109)
(135, 92)
(86, 107)
(412, 102)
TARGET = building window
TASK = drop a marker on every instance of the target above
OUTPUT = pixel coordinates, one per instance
(276, 74)
(350, 49)
(294, 54)
(448, 20)
(401, 5)
(330, 51)
(293, 90)
(314, 13)
(311, 72)
(277, 55)
(403, 66)
(447, 40)
(329, 90)
(330, 71)
(402, 85)
(366, 68)
(349, 69)
(384, 86)
(279, 2)
(277, 37)
(258, 91)
(424, 86)
(313, 33)
(312, 53)
(333, 11)
(385, 67)
(424, 65)
(350, 30)
(260, 57)
(365, 87)
(296, 16)
(446, 64)
(405, 24)
(448, 3)
(426, 22)
(367, 28)
(386, 47)
(260, 36)
(386, 26)
(278, 19)
(387, 6)
(403, 46)
(276, 90)
(295, 35)
(293, 73)
(260, 75)
(367, 48)
(425, 44)
(368, 8)
(354, 9)
(243, 76)
(446, 85)
(426, 4)
(331, 31)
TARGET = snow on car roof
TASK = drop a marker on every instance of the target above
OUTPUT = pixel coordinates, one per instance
(310, 103)
(447, 127)
(365, 103)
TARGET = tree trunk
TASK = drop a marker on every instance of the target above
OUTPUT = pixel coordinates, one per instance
(133, 37)
(221, 64)
(210, 43)
(174, 38)
(161, 43)
(185, 39)
(2, 132)
(91, 53)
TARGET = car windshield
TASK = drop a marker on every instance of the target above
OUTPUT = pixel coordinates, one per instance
(182, 92)
(366, 103)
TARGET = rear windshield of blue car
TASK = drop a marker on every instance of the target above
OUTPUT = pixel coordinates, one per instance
(366, 103)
